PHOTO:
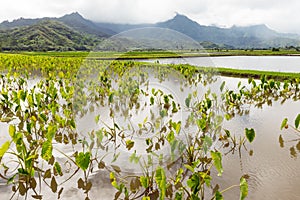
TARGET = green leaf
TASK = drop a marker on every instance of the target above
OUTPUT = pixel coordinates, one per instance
(4, 148)
(284, 123)
(189, 167)
(47, 150)
(12, 130)
(297, 121)
(111, 97)
(178, 196)
(51, 130)
(57, 168)
(144, 181)
(219, 196)
(206, 178)
(129, 144)
(194, 183)
(250, 134)
(160, 178)
(222, 86)
(43, 117)
(188, 100)
(243, 188)
(201, 123)
(83, 160)
(227, 133)
(151, 100)
(217, 158)
(207, 142)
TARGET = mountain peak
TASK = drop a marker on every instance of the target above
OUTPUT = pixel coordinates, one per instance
(73, 15)
(181, 18)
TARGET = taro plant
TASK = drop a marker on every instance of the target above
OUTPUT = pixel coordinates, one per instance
(180, 156)
(38, 116)
(295, 140)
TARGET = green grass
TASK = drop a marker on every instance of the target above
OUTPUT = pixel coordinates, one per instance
(75, 58)
(256, 74)
(162, 54)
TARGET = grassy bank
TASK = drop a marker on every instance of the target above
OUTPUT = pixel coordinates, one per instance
(162, 54)
(65, 60)
(256, 74)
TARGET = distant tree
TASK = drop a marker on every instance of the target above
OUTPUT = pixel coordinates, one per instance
(275, 49)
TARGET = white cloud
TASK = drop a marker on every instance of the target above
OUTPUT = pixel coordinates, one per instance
(276, 14)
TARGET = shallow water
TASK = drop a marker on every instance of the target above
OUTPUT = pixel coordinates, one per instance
(264, 63)
(274, 172)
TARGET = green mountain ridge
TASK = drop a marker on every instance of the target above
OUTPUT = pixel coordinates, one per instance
(45, 35)
(74, 32)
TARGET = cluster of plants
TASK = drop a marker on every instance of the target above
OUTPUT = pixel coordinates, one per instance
(173, 148)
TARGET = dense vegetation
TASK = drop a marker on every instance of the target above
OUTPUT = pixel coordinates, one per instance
(45, 99)
(45, 36)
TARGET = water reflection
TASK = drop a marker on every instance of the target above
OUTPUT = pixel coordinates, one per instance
(143, 112)
(274, 167)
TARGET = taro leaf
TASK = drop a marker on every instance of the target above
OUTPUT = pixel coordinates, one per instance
(47, 150)
(206, 178)
(201, 124)
(207, 143)
(53, 185)
(144, 181)
(101, 165)
(227, 133)
(178, 196)
(59, 192)
(250, 134)
(293, 152)
(116, 168)
(298, 146)
(22, 189)
(72, 123)
(189, 167)
(4, 148)
(47, 174)
(32, 183)
(219, 196)
(88, 186)
(160, 178)
(80, 183)
(83, 160)
(43, 117)
(284, 123)
(217, 158)
(37, 196)
(194, 183)
(135, 184)
(111, 97)
(297, 121)
(129, 144)
(151, 100)
(281, 141)
(57, 168)
(188, 100)
(222, 86)
(243, 188)
(12, 130)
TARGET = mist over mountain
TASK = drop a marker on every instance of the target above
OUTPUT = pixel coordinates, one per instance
(74, 28)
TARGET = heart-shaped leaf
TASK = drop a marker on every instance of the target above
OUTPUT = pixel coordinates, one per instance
(250, 134)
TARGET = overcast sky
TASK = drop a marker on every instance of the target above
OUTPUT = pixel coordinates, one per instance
(277, 14)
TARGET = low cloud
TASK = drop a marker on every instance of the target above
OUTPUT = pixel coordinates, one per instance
(276, 14)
